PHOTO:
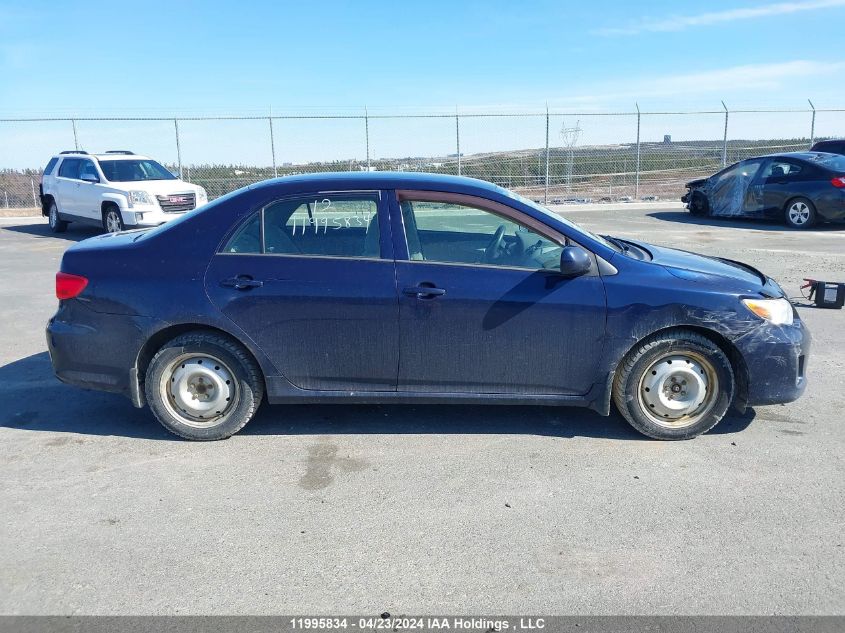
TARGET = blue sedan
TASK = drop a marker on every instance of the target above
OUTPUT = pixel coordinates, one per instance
(397, 287)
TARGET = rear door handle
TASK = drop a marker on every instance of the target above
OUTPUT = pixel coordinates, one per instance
(241, 282)
(421, 292)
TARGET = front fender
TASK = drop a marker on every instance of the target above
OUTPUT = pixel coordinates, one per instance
(121, 200)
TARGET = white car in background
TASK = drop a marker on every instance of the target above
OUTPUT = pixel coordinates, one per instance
(116, 190)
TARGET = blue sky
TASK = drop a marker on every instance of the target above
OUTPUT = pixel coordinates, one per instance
(215, 57)
(218, 56)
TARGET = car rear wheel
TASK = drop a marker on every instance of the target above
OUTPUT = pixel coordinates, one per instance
(112, 222)
(800, 213)
(674, 386)
(203, 386)
(57, 225)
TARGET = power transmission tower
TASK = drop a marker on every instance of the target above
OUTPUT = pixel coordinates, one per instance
(570, 140)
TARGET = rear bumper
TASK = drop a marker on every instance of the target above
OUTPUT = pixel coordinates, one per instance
(98, 351)
(831, 205)
(776, 358)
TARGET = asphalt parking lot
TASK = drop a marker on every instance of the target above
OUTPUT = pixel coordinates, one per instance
(422, 509)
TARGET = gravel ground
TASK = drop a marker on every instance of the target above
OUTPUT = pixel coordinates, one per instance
(422, 509)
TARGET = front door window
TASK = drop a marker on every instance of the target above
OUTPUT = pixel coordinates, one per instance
(456, 233)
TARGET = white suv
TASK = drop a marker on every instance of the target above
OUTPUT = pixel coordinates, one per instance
(115, 190)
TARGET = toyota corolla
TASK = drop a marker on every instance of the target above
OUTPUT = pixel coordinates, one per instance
(396, 287)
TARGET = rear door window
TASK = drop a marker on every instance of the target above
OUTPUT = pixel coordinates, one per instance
(330, 225)
(70, 168)
(779, 169)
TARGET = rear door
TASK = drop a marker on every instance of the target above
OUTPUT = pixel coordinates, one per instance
(783, 179)
(483, 308)
(311, 280)
(67, 186)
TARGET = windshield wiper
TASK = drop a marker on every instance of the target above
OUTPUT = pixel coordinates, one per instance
(617, 243)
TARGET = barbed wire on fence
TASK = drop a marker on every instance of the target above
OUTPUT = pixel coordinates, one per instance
(546, 155)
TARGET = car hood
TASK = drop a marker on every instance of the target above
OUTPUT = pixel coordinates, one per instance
(714, 271)
(160, 187)
(695, 183)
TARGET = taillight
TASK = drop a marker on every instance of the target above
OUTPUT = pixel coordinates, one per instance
(839, 181)
(69, 286)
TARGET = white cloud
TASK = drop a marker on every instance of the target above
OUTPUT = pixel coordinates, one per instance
(681, 22)
(749, 76)
(746, 83)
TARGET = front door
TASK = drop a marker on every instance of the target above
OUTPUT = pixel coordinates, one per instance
(88, 197)
(311, 281)
(755, 185)
(483, 308)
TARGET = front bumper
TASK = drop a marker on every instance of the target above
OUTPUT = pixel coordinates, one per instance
(147, 216)
(776, 359)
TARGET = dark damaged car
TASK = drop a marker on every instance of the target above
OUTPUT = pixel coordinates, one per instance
(415, 288)
(801, 189)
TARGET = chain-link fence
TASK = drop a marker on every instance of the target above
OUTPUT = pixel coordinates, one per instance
(549, 156)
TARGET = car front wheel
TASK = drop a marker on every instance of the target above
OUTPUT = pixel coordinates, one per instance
(698, 204)
(674, 386)
(112, 222)
(203, 386)
(800, 213)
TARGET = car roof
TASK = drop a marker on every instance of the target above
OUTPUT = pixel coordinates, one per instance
(384, 180)
(104, 156)
(108, 156)
(806, 155)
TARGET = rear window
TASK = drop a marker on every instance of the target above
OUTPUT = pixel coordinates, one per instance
(833, 162)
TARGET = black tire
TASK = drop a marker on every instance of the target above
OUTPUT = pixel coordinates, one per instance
(247, 388)
(699, 205)
(57, 225)
(690, 352)
(111, 216)
(800, 213)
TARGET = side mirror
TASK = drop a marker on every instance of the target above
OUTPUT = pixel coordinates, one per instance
(574, 262)
(89, 178)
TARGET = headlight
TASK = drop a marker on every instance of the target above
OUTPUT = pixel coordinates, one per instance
(202, 196)
(776, 311)
(139, 197)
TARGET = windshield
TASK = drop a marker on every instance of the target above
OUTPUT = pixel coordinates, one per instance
(551, 214)
(161, 228)
(134, 170)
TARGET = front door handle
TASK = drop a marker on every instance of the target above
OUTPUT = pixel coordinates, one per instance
(422, 292)
(241, 282)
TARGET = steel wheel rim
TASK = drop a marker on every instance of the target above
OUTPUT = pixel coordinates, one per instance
(678, 389)
(112, 222)
(799, 213)
(199, 390)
